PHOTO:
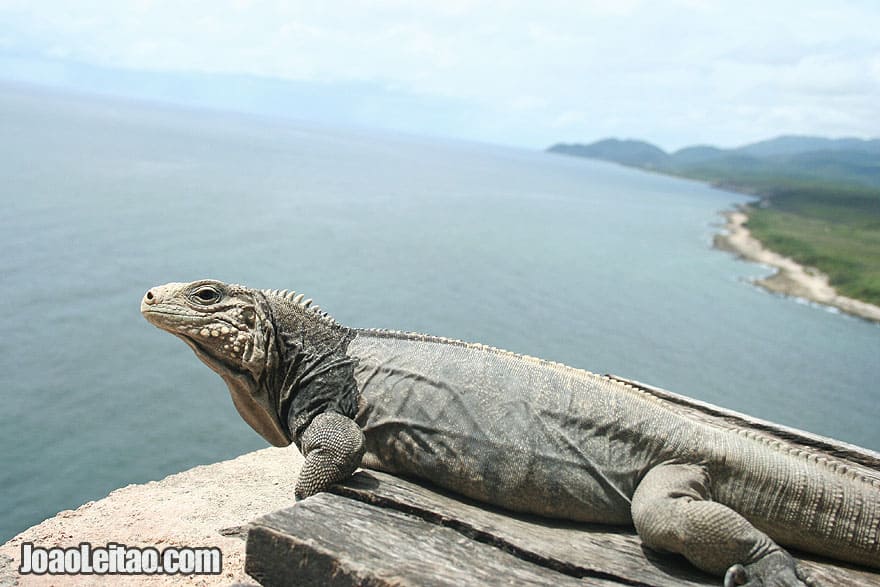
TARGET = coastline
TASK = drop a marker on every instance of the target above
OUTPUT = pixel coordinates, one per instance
(791, 278)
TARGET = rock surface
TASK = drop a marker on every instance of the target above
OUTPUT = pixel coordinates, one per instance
(209, 505)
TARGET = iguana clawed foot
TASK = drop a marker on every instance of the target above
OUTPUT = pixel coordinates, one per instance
(777, 569)
(333, 446)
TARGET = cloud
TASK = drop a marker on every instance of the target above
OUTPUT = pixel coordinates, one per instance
(633, 67)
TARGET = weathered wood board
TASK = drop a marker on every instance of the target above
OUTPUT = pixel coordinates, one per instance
(330, 540)
(377, 529)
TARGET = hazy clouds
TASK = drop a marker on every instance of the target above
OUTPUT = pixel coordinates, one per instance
(528, 73)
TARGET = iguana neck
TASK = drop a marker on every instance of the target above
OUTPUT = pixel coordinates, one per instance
(315, 375)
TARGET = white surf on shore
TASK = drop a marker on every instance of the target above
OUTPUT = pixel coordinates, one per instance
(791, 278)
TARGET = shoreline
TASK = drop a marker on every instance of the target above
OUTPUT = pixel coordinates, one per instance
(791, 278)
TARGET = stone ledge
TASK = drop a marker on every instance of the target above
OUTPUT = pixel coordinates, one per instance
(210, 505)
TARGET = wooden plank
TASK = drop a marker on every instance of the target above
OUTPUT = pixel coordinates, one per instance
(836, 574)
(382, 530)
(587, 550)
(331, 540)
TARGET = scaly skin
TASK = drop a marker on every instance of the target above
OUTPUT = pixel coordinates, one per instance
(522, 433)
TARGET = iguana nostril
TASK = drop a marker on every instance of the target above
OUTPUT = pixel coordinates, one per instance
(150, 298)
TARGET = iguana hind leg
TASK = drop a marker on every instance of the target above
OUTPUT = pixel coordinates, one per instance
(333, 446)
(672, 511)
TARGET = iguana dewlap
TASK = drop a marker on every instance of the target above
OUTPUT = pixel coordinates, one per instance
(522, 433)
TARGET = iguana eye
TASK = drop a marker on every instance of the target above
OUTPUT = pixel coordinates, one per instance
(206, 295)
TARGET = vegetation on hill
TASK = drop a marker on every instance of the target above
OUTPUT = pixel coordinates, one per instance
(820, 198)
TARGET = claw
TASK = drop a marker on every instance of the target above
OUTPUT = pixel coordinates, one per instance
(735, 575)
(776, 569)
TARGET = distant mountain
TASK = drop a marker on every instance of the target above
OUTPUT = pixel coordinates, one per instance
(697, 154)
(794, 144)
(847, 160)
(627, 152)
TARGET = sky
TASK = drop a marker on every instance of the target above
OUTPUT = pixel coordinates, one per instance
(523, 73)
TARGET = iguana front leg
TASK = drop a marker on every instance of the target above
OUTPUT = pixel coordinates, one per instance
(672, 511)
(333, 446)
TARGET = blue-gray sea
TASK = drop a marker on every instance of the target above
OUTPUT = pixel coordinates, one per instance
(577, 261)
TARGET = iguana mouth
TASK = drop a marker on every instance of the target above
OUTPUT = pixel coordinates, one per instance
(180, 323)
(173, 320)
(147, 312)
(204, 354)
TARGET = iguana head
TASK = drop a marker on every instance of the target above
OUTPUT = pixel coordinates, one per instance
(232, 329)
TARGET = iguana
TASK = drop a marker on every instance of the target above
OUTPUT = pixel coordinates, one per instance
(522, 433)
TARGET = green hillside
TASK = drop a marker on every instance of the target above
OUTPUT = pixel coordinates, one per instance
(820, 198)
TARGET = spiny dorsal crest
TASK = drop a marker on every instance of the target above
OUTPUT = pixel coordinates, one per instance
(300, 300)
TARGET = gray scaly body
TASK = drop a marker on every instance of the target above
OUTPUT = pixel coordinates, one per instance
(522, 433)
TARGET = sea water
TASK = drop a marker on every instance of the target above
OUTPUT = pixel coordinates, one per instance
(572, 260)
